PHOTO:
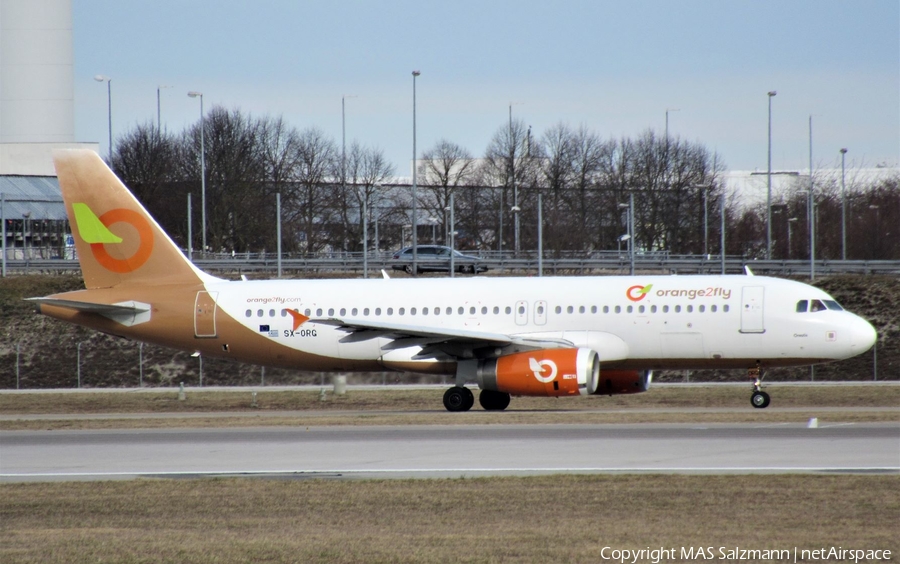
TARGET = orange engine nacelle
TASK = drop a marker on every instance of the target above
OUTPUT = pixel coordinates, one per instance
(624, 381)
(547, 372)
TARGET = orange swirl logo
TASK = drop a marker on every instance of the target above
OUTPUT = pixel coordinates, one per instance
(95, 231)
(638, 293)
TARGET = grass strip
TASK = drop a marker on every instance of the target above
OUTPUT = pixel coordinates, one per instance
(531, 519)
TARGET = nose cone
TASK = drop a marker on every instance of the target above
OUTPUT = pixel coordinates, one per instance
(862, 336)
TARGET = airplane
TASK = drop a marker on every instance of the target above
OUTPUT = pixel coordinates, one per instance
(526, 336)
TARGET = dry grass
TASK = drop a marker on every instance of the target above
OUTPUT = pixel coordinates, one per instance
(536, 519)
(714, 404)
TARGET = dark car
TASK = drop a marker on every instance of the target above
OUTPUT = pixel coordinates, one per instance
(436, 258)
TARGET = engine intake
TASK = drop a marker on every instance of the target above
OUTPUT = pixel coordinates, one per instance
(546, 372)
(613, 382)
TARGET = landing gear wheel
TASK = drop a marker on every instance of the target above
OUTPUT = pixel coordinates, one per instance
(759, 399)
(493, 401)
(459, 398)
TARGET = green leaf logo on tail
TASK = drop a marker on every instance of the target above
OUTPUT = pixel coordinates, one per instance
(90, 228)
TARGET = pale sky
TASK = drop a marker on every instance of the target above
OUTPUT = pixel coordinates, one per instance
(615, 67)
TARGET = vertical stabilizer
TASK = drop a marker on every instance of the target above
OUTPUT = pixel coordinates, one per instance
(118, 243)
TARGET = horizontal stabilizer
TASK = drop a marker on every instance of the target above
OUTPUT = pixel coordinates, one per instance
(127, 313)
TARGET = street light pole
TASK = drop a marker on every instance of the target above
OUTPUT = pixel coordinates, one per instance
(452, 238)
(202, 173)
(415, 239)
(158, 112)
(771, 93)
(722, 234)
(843, 209)
(812, 211)
(108, 81)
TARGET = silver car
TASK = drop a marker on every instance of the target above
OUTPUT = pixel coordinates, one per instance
(436, 258)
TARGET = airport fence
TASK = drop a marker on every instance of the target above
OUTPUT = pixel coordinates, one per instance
(524, 263)
(104, 362)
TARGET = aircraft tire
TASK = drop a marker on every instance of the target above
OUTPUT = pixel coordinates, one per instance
(459, 398)
(760, 399)
(491, 400)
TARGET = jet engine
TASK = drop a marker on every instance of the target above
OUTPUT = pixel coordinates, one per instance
(546, 372)
(623, 381)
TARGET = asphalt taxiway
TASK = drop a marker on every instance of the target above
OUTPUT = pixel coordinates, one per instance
(442, 451)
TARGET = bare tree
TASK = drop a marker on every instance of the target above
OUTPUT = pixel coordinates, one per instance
(445, 167)
(308, 200)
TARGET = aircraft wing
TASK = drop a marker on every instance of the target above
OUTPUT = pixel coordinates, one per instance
(459, 343)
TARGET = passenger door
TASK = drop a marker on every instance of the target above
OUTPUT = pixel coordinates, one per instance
(752, 309)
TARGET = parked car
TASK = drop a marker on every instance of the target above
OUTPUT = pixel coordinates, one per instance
(436, 258)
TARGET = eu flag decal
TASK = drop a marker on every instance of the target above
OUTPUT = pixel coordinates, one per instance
(263, 328)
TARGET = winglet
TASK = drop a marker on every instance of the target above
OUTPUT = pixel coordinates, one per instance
(385, 274)
(747, 271)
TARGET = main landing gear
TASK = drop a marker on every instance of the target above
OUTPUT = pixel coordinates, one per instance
(460, 398)
(759, 399)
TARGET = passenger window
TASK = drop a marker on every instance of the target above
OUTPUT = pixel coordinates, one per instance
(630, 309)
(702, 308)
(713, 308)
(569, 309)
(678, 309)
(593, 309)
(248, 313)
(366, 312)
(319, 312)
(581, 309)
(618, 309)
(330, 312)
(653, 309)
(540, 310)
(354, 312)
(496, 310)
(725, 308)
(640, 309)
(521, 310)
(412, 311)
(401, 311)
(816, 305)
(508, 310)
(461, 310)
(483, 310)
(471, 310)
(690, 308)
(377, 311)
(343, 311)
(390, 311)
(259, 313)
(558, 309)
(605, 309)
(308, 312)
(449, 311)
(665, 309)
(802, 305)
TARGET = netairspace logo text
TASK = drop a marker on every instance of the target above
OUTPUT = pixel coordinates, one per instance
(736, 553)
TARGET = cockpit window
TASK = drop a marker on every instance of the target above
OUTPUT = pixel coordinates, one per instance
(816, 305)
(833, 305)
(802, 306)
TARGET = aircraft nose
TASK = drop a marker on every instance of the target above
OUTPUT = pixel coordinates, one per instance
(862, 336)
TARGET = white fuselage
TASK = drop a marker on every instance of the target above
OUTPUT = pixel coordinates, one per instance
(678, 322)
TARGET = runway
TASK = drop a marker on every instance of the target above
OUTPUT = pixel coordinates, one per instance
(448, 451)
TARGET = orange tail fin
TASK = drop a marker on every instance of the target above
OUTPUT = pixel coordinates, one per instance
(116, 239)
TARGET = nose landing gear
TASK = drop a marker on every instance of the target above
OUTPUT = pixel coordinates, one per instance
(759, 399)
